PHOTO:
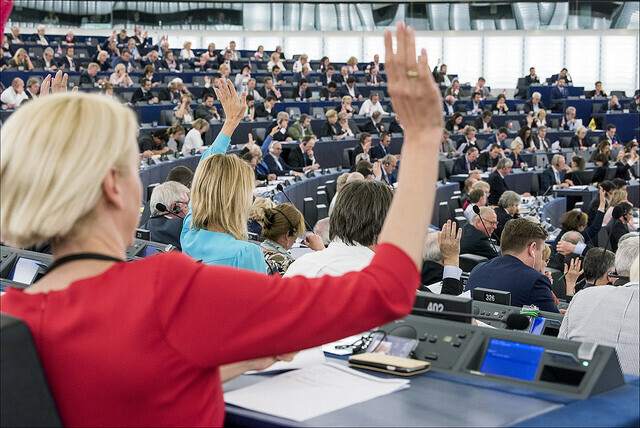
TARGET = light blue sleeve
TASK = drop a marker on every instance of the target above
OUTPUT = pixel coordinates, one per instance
(265, 145)
(252, 258)
(220, 145)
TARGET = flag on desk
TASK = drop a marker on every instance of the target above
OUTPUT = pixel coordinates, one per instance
(592, 124)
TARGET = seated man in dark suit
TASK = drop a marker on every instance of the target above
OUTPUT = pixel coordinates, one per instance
(474, 237)
(330, 93)
(276, 164)
(302, 155)
(532, 77)
(350, 89)
(469, 140)
(475, 104)
(484, 123)
(68, 62)
(560, 90)
(327, 77)
(342, 78)
(143, 94)
(519, 270)
(490, 158)
(282, 123)
(508, 209)
(382, 149)
(467, 163)
(269, 90)
(554, 175)
(89, 76)
(303, 92)
(441, 261)
(500, 138)
(165, 223)
(373, 78)
(611, 106)
(374, 124)
(496, 180)
(266, 109)
(533, 104)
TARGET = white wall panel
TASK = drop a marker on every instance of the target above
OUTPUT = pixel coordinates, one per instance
(545, 53)
(340, 48)
(433, 45)
(620, 63)
(582, 59)
(295, 44)
(463, 56)
(269, 42)
(502, 62)
(373, 45)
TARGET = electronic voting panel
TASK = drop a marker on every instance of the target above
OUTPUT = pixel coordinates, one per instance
(21, 268)
(514, 358)
(141, 249)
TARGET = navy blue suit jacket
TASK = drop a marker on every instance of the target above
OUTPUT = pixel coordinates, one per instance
(275, 169)
(557, 93)
(507, 273)
(378, 152)
(548, 179)
(344, 90)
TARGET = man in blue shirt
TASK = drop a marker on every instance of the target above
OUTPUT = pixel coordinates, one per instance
(125, 58)
(519, 270)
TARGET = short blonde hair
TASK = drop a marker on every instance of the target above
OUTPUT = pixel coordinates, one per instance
(94, 65)
(581, 129)
(541, 112)
(185, 44)
(346, 98)
(101, 54)
(256, 213)
(221, 195)
(481, 185)
(119, 67)
(200, 124)
(352, 60)
(331, 113)
(50, 185)
(515, 144)
(618, 196)
(274, 56)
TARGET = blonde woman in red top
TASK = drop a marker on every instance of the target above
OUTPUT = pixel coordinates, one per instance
(142, 343)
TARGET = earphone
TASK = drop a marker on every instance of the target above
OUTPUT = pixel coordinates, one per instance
(293, 231)
(271, 146)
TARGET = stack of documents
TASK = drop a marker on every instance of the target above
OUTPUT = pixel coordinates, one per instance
(313, 391)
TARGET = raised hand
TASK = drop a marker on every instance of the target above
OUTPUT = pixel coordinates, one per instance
(234, 107)
(57, 85)
(449, 242)
(571, 274)
(414, 93)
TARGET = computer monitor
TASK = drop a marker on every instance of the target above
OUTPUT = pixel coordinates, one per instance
(512, 359)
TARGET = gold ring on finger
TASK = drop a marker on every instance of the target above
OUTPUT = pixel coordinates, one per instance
(412, 73)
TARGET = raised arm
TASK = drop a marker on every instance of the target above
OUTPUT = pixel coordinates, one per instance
(234, 108)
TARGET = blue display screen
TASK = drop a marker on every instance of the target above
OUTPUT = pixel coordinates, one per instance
(150, 250)
(512, 359)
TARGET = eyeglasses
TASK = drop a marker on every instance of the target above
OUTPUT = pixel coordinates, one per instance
(494, 223)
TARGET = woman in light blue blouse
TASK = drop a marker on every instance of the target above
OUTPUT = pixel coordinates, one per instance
(215, 229)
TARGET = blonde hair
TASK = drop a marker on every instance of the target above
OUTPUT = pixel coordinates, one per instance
(94, 65)
(352, 60)
(617, 197)
(331, 113)
(256, 213)
(274, 56)
(546, 252)
(185, 44)
(18, 54)
(581, 129)
(221, 195)
(346, 98)
(119, 67)
(200, 124)
(515, 144)
(480, 185)
(541, 112)
(50, 185)
(102, 53)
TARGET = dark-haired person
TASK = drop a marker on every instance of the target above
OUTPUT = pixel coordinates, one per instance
(283, 225)
(206, 110)
(180, 174)
(577, 221)
(475, 105)
(350, 89)
(605, 189)
(488, 160)
(266, 109)
(382, 149)
(353, 243)
(363, 146)
(485, 123)
(501, 105)
(330, 92)
(620, 225)
(454, 124)
(625, 169)
(302, 155)
(599, 265)
(143, 94)
(610, 135)
(268, 89)
(602, 167)
(327, 76)
(518, 269)
(476, 197)
(468, 141)
(467, 163)
(374, 124)
(301, 128)
(303, 92)
(68, 62)
(496, 180)
(154, 143)
(532, 77)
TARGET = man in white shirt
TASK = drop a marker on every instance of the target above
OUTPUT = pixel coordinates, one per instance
(39, 37)
(235, 56)
(353, 231)
(371, 105)
(14, 94)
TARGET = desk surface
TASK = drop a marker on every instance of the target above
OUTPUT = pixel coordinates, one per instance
(436, 399)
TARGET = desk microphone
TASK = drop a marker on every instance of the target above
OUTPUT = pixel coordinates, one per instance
(512, 321)
(280, 188)
(476, 209)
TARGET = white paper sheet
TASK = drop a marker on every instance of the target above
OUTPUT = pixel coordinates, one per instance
(311, 392)
(306, 358)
